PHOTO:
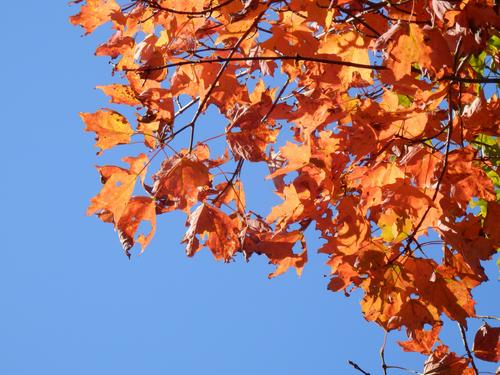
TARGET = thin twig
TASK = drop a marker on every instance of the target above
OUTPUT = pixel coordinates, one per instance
(259, 58)
(293, 93)
(264, 118)
(204, 101)
(230, 181)
(186, 107)
(486, 317)
(404, 369)
(155, 5)
(382, 353)
(449, 128)
(466, 346)
(470, 80)
(355, 365)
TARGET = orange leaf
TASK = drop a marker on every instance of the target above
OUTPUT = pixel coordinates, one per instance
(138, 209)
(120, 94)
(110, 127)
(220, 230)
(421, 341)
(94, 14)
(277, 247)
(289, 210)
(350, 47)
(118, 187)
(441, 361)
(180, 181)
(297, 156)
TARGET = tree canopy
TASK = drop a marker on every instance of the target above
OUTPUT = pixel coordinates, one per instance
(378, 123)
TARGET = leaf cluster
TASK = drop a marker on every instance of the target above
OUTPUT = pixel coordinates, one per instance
(382, 135)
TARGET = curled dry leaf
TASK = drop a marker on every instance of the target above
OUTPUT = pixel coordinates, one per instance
(220, 230)
(487, 343)
(442, 361)
(138, 209)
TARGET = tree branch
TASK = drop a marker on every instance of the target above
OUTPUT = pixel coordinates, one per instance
(466, 346)
(486, 317)
(470, 80)
(219, 75)
(382, 353)
(259, 58)
(155, 5)
(355, 365)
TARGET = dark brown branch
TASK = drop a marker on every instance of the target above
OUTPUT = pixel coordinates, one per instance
(355, 365)
(470, 80)
(361, 21)
(449, 127)
(487, 317)
(300, 58)
(278, 97)
(230, 182)
(466, 346)
(261, 58)
(219, 75)
(155, 5)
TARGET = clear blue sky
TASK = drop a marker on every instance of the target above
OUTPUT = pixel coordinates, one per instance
(72, 303)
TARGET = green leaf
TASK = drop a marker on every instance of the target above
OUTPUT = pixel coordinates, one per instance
(404, 101)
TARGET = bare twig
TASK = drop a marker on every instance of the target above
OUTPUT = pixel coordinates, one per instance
(219, 75)
(487, 317)
(154, 4)
(355, 365)
(449, 128)
(264, 118)
(230, 181)
(467, 349)
(404, 369)
(382, 353)
(259, 58)
(470, 80)
(186, 107)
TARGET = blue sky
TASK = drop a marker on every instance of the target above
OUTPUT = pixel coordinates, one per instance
(72, 303)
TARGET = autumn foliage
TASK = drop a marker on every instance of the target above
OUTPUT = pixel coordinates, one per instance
(378, 122)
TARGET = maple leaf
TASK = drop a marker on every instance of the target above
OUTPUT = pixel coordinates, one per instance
(277, 247)
(290, 210)
(349, 47)
(221, 231)
(117, 45)
(253, 137)
(297, 156)
(447, 295)
(232, 193)
(180, 181)
(111, 128)
(351, 229)
(94, 14)
(138, 209)
(422, 341)
(487, 343)
(118, 187)
(441, 361)
(120, 94)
